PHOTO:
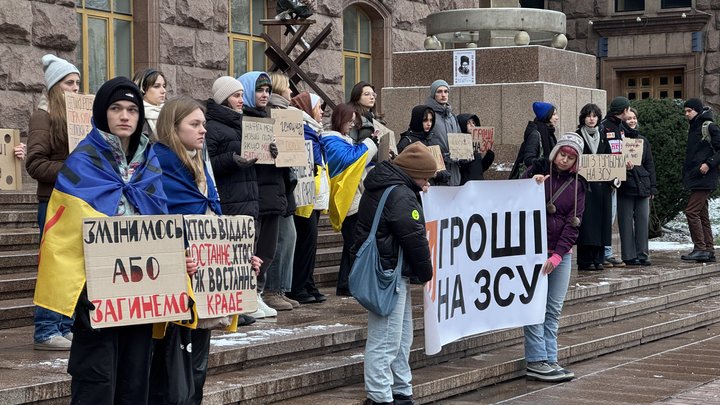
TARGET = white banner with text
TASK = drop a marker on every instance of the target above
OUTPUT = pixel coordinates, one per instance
(487, 244)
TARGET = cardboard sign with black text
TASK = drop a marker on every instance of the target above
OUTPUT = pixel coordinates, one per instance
(289, 137)
(10, 166)
(602, 167)
(225, 283)
(437, 154)
(305, 190)
(135, 269)
(460, 146)
(79, 115)
(257, 135)
(386, 141)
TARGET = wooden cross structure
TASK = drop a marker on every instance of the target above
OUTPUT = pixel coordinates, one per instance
(281, 56)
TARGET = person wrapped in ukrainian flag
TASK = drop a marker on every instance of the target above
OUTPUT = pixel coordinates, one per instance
(113, 172)
(348, 164)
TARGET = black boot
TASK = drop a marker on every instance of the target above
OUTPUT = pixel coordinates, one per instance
(698, 256)
(399, 399)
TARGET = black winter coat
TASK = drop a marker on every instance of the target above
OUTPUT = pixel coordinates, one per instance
(272, 181)
(237, 187)
(640, 180)
(596, 227)
(701, 151)
(399, 225)
(538, 140)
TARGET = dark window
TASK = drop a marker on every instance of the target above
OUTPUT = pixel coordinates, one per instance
(629, 5)
(532, 3)
(645, 94)
(677, 94)
(663, 94)
(663, 80)
(632, 96)
(632, 82)
(645, 81)
(676, 3)
(677, 80)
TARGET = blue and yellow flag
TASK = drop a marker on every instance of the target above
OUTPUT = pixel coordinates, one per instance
(346, 163)
(89, 185)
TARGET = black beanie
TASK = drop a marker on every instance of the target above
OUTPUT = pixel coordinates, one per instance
(618, 105)
(119, 88)
(695, 104)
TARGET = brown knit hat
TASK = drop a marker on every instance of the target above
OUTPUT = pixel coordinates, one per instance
(417, 161)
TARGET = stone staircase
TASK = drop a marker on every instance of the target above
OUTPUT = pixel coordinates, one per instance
(314, 354)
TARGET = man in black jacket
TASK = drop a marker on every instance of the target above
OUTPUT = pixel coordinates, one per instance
(700, 176)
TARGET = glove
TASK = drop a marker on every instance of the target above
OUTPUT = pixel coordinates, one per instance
(551, 263)
(540, 166)
(442, 176)
(242, 162)
(273, 150)
(82, 312)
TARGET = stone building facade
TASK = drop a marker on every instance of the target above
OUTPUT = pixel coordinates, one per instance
(190, 41)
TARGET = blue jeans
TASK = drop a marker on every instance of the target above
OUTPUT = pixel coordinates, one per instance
(387, 350)
(541, 339)
(48, 323)
(279, 274)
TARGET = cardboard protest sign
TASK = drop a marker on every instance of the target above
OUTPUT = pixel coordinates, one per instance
(483, 138)
(632, 149)
(460, 146)
(135, 269)
(79, 114)
(10, 166)
(603, 167)
(225, 283)
(437, 154)
(487, 255)
(305, 190)
(257, 136)
(386, 141)
(289, 137)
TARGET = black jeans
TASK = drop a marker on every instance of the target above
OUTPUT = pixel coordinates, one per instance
(305, 251)
(346, 261)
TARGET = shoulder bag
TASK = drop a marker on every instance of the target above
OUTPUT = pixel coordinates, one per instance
(375, 288)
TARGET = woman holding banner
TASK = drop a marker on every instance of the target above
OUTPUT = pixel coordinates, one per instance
(565, 199)
(634, 197)
(47, 151)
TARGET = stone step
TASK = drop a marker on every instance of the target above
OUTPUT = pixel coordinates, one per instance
(16, 312)
(14, 200)
(18, 261)
(326, 257)
(326, 276)
(313, 332)
(433, 381)
(17, 285)
(12, 239)
(329, 239)
(18, 218)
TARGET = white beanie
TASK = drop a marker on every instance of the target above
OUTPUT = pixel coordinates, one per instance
(570, 139)
(56, 69)
(224, 87)
(314, 100)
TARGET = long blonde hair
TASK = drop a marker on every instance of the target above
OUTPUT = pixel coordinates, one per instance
(58, 114)
(172, 113)
(280, 82)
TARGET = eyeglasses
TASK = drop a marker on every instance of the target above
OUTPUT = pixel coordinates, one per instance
(370, 93)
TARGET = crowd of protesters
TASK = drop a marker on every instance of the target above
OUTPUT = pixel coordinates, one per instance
(189, 154)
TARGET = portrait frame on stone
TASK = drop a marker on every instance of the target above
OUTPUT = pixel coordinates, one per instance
(464, 67)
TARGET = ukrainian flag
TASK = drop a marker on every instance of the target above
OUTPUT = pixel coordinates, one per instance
(347, 163)
(88, 185)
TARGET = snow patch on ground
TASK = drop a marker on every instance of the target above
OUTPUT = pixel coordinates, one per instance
(255, 336)
(57, 363)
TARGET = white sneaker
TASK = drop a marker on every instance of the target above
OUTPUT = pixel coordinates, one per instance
(263, 311)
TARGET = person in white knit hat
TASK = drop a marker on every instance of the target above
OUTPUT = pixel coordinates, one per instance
(235, 175)
(47, 151)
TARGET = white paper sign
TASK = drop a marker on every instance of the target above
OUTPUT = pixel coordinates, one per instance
(487, 255)
(464, 67)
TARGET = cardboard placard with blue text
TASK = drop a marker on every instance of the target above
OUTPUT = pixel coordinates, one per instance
(487, 256)
(224, 283)
(135, 269)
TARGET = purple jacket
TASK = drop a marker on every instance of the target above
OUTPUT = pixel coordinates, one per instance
(561, 235)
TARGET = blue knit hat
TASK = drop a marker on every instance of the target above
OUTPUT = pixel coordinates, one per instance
(437, 84)
(542, 110)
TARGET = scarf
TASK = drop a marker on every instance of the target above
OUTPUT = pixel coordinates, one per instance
(184, 195)
(151, 115)
(591, 138)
